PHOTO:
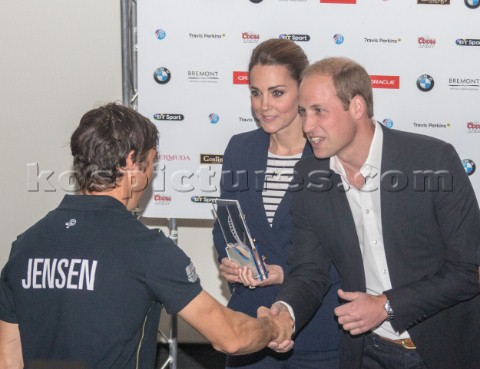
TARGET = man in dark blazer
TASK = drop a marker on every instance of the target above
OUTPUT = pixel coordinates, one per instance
(398, 217)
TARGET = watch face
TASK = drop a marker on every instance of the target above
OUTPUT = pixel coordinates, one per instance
(389, 311)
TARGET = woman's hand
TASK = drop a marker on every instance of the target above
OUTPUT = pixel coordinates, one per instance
(230, 270)
(275, 276)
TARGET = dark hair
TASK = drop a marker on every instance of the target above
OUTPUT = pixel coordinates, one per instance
(277, 51)
(349, 79)
(102, 141)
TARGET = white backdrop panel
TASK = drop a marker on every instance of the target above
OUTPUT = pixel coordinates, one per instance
(202, 43)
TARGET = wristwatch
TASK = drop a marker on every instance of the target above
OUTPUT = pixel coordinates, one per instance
(389, 310)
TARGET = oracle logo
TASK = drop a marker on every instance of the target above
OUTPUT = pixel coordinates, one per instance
(392, 82)
(240, 78)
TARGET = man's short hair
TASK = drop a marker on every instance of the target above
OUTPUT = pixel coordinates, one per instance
(102, 141)
(349, 79)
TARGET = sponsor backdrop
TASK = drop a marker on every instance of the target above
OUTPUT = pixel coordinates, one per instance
(192, 81)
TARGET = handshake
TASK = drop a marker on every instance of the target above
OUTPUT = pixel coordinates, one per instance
(280, 325)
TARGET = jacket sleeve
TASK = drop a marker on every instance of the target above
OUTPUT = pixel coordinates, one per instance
(457, 218)
(308, 277)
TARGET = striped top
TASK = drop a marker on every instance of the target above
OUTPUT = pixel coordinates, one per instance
(278, 176)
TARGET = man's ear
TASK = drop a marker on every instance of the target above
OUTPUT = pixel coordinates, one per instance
(357, 106)
(130, 164)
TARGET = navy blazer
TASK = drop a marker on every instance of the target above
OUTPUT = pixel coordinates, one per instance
(243, 175)
(431, 231)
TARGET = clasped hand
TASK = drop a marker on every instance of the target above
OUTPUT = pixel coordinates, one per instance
(280, 317)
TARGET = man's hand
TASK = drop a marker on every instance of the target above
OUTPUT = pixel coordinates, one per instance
(283, 342)
(275, 276)
(362, 313)
(230, 270)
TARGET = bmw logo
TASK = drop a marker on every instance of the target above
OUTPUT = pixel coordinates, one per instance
(387, 122)
(472, 4)
(162, 75)
(160, 34)
(214, 118)
(425, 83)
(469, 166)
(338, 38)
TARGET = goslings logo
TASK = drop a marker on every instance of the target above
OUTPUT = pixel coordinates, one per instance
(465, 84)
(469, 166)
(160, 34)
(472, 4)
(250, 38)
(473, 127)
(387, 122)
(467, 42)
(204, 199)
(162, 199)
(203, 76)
(214, 118)
(162, 75)
(240, 78)
(338, 1)
(338, 38)
(211, 159)
(425, 83)
(170, 117)
(426, 42)
(392, 82)
(294, 37)
(434, 2)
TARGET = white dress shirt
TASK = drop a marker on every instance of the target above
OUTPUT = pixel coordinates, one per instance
(366, 210)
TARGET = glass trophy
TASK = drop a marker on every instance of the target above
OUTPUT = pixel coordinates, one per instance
(241, 247)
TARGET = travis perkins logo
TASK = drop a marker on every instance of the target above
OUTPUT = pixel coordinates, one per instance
(294, 37)
(165, 116)
(392, 82)
(211, 159)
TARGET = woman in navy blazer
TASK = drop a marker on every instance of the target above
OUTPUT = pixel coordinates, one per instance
(274, 75)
